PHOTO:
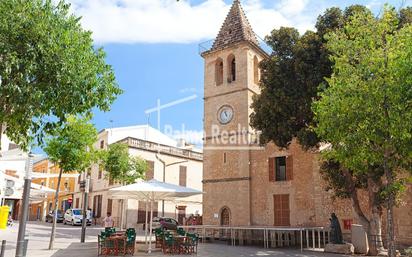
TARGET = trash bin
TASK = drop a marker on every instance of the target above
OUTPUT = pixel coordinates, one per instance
(4, 216)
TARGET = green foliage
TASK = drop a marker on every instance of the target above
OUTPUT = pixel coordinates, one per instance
(332, 171)
(405, 16)
(331, 20)
(49, 69)
(121, 166)
(291, 78)
(294, 77)
(289, 81)
(408, 251)
(71, 146)
(365, 113)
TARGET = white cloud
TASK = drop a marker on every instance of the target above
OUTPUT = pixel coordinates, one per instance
(169, 21)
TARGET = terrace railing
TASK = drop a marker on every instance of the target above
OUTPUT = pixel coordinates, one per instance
(165, 149)
(313, 238)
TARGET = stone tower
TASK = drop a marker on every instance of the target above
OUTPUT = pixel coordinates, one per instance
(231, 79)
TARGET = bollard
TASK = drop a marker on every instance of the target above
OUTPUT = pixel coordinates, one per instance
(26, 242)
(3, 248)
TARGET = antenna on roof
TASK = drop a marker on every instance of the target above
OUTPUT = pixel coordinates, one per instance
(111, 126)
(147, 126)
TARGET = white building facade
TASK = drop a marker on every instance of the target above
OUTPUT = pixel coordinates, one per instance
(168, 160)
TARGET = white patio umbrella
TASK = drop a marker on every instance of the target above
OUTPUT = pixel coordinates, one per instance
(151, 191)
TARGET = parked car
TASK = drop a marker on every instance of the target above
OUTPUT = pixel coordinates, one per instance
(60, 216)
(164, 223)
(75, 217)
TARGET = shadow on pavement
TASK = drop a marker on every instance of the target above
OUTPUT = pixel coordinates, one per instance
(78, 250)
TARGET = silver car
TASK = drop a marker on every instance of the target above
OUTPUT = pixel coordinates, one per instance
(75, 217)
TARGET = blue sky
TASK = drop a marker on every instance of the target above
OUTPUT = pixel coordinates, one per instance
(153, 48)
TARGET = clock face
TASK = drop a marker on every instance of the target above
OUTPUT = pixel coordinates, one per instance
(225, 114)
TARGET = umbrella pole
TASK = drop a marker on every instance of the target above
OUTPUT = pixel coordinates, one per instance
(145, 225)
(151, 224)
(126, 206)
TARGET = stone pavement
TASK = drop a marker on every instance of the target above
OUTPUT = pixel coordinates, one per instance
(67, 245)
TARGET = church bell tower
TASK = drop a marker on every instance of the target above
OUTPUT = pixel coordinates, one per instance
(230, 81)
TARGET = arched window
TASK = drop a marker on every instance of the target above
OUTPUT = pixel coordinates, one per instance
(219, 72)
(225, 216)
(232, 68)
(256, 77)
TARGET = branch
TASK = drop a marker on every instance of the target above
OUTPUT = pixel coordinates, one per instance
(351, 187)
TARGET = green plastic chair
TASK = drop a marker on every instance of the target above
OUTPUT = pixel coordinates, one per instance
(169, 244)
(159, 238)
(130, 231)
(130, 241)
(191, 244)
(181, 231)
(109, 231)
(101, 244)
(158, 231)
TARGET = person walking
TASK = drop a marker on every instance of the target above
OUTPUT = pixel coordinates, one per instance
(108, 221)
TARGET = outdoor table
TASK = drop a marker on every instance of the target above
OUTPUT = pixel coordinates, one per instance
(181, 240)
(119, 243)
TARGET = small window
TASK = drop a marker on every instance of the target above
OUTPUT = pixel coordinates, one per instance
(232, 68)
(100, 174)
(150, 170)
(224, 157)
(219, 72)
(280, 168)
(182, 175)
(109, 205)
(102, 144)
(256, 70)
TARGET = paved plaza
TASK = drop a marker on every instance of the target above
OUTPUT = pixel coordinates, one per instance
(67, 244)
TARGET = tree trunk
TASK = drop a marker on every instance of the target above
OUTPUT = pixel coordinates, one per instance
(372, 226)
(1, 133)
(375, 225)
(386, 157)
(56, 204)
(3, 127)
(390, 223)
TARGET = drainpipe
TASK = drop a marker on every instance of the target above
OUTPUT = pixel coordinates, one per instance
(164, 175)
(163, 180)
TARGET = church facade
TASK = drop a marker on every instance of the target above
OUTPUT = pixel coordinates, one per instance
(249, 185)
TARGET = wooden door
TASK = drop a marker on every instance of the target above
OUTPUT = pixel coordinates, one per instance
(225, 217)
(281, 210)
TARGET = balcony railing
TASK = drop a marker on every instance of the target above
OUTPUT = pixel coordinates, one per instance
(207, 46)
(165, 149)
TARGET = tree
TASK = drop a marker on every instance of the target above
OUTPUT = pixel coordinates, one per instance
(49, 69)
(71, 148)
(121, 167)
(283, 111)
(291, 75)
(292, 78)
(365, 112)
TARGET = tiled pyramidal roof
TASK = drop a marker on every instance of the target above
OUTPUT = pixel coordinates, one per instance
(236, 28)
